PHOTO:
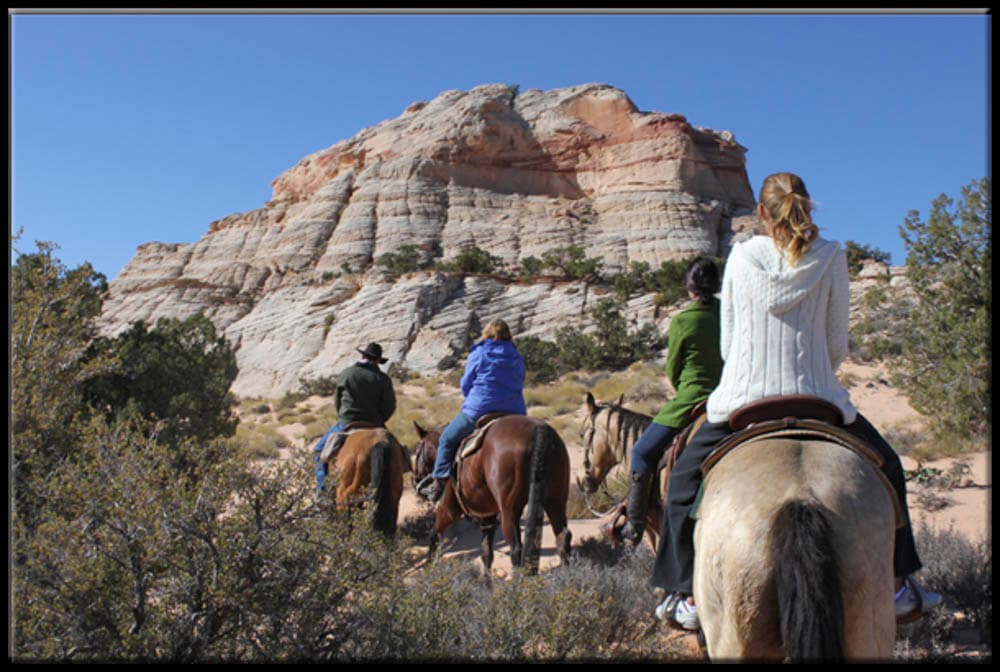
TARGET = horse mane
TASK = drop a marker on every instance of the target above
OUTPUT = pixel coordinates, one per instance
(631, 425)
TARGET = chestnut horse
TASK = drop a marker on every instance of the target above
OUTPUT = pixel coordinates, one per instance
(522, 462)
(371, 458)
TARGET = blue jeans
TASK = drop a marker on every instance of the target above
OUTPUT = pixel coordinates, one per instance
(647, 451)
(321, 467)
(457, 429)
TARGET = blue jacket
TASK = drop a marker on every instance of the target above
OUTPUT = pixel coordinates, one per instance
(494, 379)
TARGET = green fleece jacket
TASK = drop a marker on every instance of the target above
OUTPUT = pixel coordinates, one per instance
(364, 393)
(694, 362)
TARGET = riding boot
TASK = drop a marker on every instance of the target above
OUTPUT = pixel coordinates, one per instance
(638, 500)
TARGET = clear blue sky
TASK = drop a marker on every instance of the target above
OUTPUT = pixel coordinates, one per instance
(139, 128)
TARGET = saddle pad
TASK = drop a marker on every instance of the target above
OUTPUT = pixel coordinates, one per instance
(330, 445)
(474, 441)
(337, 439)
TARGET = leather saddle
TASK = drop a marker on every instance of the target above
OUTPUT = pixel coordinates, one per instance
(474, 441)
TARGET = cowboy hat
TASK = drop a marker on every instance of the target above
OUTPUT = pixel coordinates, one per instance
(373, 351)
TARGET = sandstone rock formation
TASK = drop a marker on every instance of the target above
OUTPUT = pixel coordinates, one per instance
(294, 284)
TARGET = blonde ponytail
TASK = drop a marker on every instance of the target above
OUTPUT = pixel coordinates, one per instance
(787, 202)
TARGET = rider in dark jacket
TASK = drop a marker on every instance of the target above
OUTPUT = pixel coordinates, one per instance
(364, 394)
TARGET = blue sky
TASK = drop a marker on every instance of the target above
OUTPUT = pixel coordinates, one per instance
(139, 128)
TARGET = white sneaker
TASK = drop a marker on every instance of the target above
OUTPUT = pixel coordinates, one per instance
(678, 612)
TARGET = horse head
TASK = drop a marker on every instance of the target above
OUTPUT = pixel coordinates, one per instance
(424, 452)
(600, 449)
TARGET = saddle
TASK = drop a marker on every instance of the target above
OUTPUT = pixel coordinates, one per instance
(696, 418)
(800, 417)
(474, 441)
(469, 446)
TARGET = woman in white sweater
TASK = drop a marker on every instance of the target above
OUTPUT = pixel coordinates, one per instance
(784, 331)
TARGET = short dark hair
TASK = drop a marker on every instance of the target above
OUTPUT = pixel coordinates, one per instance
(702, 279)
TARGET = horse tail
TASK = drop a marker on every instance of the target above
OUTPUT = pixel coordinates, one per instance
(544, 440)
(810, 601)
(386, 509)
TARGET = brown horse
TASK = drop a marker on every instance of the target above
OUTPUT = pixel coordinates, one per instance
(522, 462)
(794, 549)
(371, 458)
(609, 431)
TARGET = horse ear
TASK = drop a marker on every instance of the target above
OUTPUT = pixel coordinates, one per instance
(621, 399)
(421, 432)
(590, 401)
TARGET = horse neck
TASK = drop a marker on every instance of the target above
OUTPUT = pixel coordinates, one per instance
(623, 429)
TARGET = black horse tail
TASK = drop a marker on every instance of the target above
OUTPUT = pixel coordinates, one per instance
(386, 507)
(544, 441)
(810, 601)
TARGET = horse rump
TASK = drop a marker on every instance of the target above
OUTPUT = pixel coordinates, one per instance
(807, 579)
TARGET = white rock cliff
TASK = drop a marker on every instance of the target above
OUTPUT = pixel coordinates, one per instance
(294, 285)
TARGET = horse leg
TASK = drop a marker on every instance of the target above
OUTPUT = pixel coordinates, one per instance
(510, 523)
(556, 511)
(444, 517)
(489, 530)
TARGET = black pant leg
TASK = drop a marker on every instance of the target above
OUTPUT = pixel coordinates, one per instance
(906, 560)
(674, 566)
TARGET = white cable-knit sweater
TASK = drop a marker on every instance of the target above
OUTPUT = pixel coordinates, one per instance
(784, 329)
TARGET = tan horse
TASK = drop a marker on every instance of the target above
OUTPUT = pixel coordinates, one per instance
(371, 458)
(794, 554)
(609, 431)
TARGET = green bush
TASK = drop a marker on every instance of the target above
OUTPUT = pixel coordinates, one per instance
(407, 259)
(471, 260)
(962, 571)
(573, 263)
(945, 363)
(856, 255)
(530, 267)
(323, 386)
(177, 374)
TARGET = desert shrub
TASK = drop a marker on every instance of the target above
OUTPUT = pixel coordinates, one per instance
(572, 263)
(177, 374)
(131, 565)
(51, 325)
(471, 260)
(322, 386)
(289, 401)
(406, 259)
(857, 253)
(540, 358)
(945, 364)
(876, 332)
(962, 571)
(530, 267)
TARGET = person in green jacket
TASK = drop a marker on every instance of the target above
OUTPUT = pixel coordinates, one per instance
(364, 394)
(694, 365)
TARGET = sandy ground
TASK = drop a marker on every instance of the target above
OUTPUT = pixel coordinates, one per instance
(966, 508)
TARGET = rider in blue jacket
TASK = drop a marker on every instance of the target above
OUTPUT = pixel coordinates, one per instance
(493, 382)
